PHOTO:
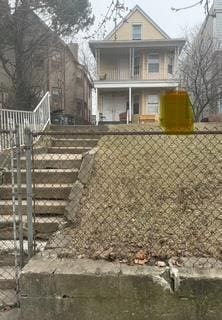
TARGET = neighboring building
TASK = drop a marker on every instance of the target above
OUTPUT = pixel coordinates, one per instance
(136, 63)
(54, 67)
(212, 28)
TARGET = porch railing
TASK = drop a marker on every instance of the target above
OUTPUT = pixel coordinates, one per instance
(121, 75)
(36, 120)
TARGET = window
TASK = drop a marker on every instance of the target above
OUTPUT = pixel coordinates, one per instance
(38, 60)
(136, 104)
(153, 63)
(170, 64)
(56, 97)
(153, 104)
(3, 99)
(137, 31)
(220, 104)
(136, 66)
(56, 60)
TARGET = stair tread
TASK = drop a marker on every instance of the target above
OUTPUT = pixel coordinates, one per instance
(70, 148)
(74, 170)
(75, 139)
(56, 157)
(7, 246)
(7, 298)
(7, 273)
(41, 219)
(49, 203)
(47, 185)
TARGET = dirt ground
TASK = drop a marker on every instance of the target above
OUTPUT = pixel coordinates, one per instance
(155, 196)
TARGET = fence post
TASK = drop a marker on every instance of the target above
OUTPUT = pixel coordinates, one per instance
(14, 194)
(29, 195)
(19, 195)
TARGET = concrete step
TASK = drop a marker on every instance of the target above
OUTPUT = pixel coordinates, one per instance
(76, 135)
(55, 161)
(83, 142)
(7, 251)
(7, 299)
(46, 176)
(7, 278)
(42, 207)
(79, 128)
(43, 226)
(68, 150)
(41, 191)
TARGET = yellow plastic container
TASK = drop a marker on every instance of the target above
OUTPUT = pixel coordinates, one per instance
(176, 113)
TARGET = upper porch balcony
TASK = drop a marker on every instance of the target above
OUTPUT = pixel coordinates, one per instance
(136, 65)
(137, 61)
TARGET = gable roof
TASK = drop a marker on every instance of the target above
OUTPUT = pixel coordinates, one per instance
(150, 20)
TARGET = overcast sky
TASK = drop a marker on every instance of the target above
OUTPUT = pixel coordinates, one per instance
(160, 11)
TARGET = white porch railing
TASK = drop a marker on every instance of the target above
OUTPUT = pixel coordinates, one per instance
(36, 120)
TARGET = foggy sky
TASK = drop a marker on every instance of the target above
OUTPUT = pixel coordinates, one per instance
(174, 24)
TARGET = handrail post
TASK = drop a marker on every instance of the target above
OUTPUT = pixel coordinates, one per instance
(49, 109)
(29, 195)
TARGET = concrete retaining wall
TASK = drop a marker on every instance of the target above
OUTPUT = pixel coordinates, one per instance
(97, 290)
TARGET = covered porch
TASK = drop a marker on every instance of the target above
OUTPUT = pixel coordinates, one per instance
(128, 105)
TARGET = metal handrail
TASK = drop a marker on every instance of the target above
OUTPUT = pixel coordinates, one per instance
(36, 120)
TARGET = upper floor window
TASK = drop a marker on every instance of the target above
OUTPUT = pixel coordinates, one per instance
(220, 103)
(153, 63)
(57, 97)
(137, 31)
(38, 60)
(170, 64)
(3, 99)
(56, 59)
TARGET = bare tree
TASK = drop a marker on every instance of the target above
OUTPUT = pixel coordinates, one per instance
(201, 73)
(87, 59)
(23, 33)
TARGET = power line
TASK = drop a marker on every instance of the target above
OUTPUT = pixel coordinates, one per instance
(114, 11)
(206, 6)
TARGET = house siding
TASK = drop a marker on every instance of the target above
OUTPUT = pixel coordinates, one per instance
(218, 4)
(149, 32)
(219, 25)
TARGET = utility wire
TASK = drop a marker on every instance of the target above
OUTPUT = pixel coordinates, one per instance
(194, 5)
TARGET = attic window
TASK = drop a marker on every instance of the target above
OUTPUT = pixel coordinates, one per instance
(137, 31)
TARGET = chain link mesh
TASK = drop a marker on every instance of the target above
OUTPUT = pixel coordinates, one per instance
(138, 196)
(8, 245)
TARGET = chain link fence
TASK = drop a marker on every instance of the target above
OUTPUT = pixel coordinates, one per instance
(138, 197)
(11, 224)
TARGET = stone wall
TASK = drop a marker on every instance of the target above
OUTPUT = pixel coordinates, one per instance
(98, 290)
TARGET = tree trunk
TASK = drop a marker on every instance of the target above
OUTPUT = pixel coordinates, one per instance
(22, 61)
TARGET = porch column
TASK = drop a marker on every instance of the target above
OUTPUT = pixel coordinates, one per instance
(175, 62)
(98, 63)
(130, 63)
(96, 106)
(133, 63)
(130, 105)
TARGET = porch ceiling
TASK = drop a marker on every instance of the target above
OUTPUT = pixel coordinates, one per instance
(154, 44)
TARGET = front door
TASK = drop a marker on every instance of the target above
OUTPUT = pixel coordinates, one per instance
(113, 106)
